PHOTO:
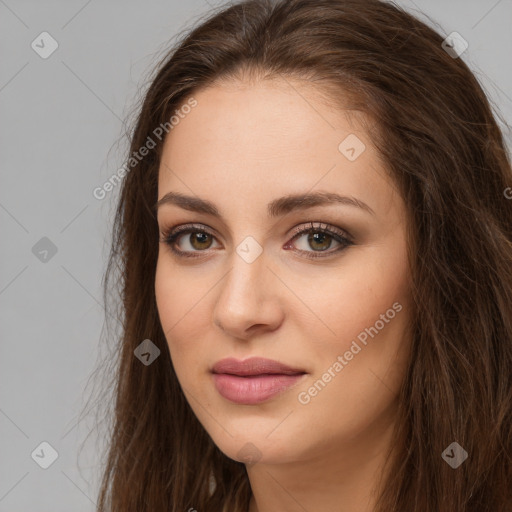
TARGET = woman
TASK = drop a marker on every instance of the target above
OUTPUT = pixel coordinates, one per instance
(314, 247)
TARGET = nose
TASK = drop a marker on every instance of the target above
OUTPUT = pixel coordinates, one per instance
(249, 300)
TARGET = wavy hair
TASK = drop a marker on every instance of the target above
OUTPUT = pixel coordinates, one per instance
(435, 130)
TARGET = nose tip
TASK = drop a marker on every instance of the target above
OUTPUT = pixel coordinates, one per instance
(247, 301)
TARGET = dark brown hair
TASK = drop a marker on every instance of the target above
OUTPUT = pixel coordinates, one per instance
(434, 128)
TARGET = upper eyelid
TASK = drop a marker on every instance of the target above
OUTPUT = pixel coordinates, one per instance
(322, 226)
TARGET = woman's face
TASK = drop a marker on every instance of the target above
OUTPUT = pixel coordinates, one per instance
(250, 281)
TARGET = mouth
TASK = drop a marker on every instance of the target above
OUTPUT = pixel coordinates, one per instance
(254, 380)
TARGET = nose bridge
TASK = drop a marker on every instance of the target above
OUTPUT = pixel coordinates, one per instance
(247, 269)
(245, 297)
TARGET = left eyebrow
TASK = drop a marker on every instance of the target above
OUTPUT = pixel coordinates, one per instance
(277, 207)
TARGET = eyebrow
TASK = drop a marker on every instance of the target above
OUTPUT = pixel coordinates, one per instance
(276, 208)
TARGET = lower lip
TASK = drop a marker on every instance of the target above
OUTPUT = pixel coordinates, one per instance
(253, 390)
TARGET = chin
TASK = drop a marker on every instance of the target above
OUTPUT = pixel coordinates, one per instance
(251, 441)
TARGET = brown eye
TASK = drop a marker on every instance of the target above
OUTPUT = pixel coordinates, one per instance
(189, 240)
(320, 239)
(199, 240)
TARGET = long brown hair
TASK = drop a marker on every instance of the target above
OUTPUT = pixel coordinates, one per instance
(434, 128)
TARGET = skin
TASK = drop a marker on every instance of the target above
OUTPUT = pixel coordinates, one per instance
(244, 145)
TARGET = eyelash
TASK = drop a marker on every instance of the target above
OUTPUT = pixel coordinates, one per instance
(170, 237)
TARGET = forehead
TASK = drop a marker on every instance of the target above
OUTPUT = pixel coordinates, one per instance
(262, 139)
(258, 120)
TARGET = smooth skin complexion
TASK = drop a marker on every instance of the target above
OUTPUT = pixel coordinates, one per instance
(246, 144)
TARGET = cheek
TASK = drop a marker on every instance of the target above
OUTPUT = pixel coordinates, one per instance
(358, 372)
(354, 298)
(367, 311)
(174, 301)
(182, 304)
(168, 305)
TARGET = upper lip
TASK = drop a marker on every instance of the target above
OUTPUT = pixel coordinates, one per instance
(253, 366)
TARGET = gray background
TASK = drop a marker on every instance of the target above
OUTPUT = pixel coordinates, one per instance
(60, 119)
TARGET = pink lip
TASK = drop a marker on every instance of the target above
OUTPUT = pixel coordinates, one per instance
(253, 380)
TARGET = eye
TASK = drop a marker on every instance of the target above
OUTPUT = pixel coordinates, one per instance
(319, 237)
(198, 239)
